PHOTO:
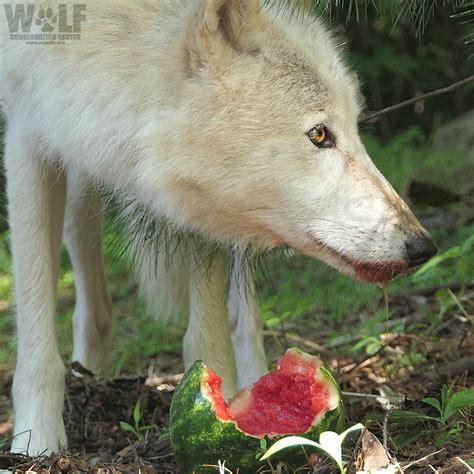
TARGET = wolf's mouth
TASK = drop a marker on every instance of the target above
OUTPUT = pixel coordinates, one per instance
(377, 272)
(381, 272)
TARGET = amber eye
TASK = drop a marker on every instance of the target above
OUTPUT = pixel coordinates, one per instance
(321, 137)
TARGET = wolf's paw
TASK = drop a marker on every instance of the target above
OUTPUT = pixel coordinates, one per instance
(35, 442)
(39, 425)
(46, 19)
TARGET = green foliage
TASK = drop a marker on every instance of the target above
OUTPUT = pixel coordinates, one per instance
(410, 156)
(450, 403)
(263, 448)
(446, 406)
(465, 13)
(137, 429)
(302, 287)
(413, 359)
(5, 259)
(142, 338)
(371, 344)
(417, 12)
(329, 442)
(458, 255)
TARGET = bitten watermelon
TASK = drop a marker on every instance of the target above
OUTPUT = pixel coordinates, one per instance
(300, 398)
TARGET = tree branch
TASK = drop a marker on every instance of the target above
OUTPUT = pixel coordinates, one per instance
(414, 100)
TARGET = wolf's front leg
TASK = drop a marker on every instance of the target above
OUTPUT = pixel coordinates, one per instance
(93, 314)
(246, 325)
(36, 195)
(208, 335)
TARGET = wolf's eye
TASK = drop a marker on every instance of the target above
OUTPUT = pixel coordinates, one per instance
(321, 137)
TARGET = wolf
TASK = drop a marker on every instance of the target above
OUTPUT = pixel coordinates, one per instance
(229, 119)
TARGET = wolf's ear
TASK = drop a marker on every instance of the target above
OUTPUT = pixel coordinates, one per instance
(222, 24)
(229, 17)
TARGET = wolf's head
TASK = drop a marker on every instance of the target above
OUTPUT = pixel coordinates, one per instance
(268, 149)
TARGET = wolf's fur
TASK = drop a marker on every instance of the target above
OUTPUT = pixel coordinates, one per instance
(198, 111)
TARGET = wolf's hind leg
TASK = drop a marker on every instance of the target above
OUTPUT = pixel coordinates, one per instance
(208, 335)
(36, 196)
(246, 325)
(93, 314)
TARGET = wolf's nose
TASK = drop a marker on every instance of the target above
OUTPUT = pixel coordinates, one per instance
(420, 249)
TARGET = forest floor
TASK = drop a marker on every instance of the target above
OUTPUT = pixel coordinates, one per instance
(421, 349)
(95, 406)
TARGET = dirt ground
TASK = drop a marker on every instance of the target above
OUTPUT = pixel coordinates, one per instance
(93, 409)
(95, 406)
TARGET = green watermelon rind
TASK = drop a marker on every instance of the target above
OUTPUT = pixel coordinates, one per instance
(199, 438)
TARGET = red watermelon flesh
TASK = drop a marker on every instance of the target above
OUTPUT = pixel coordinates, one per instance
(288, 401)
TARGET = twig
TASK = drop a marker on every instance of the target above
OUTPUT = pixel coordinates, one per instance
(393, 400)
(464, 463)
(450, 369)
(385, 429)
(355, 451)
(158, 381)
(458, 304)
(297, 339)
(360, 395)
(283, 333)
(414, 100)
(80, 370)
(424, 458)
(347, 369)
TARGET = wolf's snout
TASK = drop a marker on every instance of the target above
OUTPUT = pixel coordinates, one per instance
(420, 249)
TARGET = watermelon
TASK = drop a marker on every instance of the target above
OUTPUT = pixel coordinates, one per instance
(300, 398)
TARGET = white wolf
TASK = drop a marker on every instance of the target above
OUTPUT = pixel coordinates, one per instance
(224, 117)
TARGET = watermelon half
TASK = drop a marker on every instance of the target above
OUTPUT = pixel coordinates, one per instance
(300, 398)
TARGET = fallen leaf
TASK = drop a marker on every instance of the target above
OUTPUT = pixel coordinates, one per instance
(373, 458)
